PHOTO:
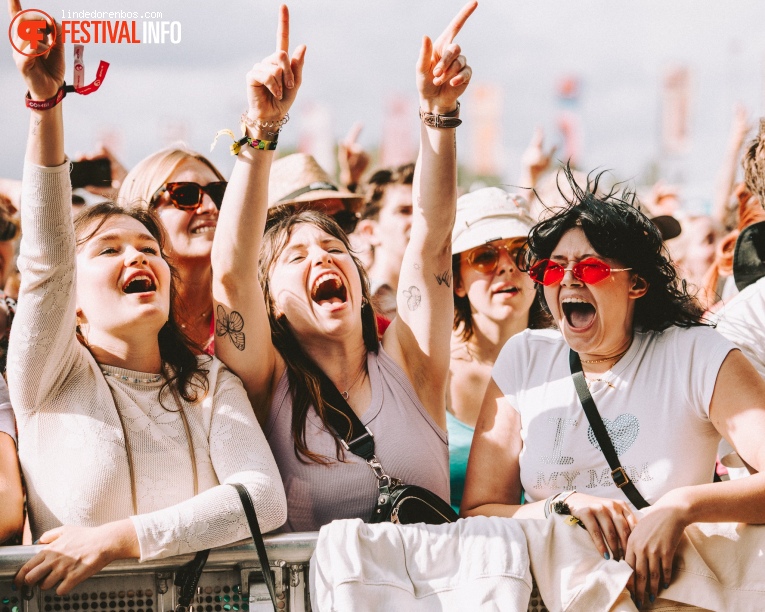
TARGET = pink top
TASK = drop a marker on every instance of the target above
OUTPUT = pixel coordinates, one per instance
(408, 443)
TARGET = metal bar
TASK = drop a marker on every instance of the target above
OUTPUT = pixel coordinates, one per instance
(289, 547)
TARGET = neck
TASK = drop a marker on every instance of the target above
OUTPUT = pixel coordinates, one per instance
(195, 300)
(128, 354)
(489, 336)
(597, 363)
(340, 361)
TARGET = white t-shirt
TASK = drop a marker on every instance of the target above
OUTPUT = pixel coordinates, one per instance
(654, 404)
(742, 321)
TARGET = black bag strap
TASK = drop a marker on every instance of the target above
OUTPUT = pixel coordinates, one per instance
(187, 577)
(618, 473)
(252, 520)
(348, 427)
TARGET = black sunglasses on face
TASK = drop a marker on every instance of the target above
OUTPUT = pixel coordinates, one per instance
(186, 195)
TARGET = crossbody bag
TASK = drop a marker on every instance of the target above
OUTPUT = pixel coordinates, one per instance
(397, 502)
(618, 473)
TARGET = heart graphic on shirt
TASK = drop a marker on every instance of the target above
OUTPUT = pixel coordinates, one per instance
(623, 431)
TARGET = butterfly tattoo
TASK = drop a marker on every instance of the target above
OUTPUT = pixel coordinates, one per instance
(230, 325)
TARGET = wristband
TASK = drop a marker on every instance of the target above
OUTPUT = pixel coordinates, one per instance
(447, 120)
(84, 90)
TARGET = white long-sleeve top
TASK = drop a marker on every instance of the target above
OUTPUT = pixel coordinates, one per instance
(71, 443)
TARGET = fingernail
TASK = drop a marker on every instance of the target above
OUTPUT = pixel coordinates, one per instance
(665, 585)
(606, 556)
(652, 597)
(438, 69)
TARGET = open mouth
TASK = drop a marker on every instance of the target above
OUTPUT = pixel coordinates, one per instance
(578, 313)
(508, 291)
(204, 228)
(329, 289)
(139, 284)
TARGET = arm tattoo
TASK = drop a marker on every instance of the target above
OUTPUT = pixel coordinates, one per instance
(413, 298)
(230, 325)
(445, 278)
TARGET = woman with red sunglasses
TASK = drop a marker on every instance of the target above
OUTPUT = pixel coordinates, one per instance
(186, 190)
(493, 301)
(666, 386)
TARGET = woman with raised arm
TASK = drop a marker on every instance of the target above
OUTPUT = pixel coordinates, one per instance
(127, 439)
(666, 387)
(307, 309)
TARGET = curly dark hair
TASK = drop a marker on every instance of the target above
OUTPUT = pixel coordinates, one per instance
(616, 228)
(178, 351)
(303, 373)
(375, 188)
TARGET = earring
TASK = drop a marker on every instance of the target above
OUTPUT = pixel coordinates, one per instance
(364, 302)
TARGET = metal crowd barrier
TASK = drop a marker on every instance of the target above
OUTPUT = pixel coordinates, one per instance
(231, 582)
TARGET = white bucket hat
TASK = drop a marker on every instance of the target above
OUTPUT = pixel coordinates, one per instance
(489, 214)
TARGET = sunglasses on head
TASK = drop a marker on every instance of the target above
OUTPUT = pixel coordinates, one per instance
(590, 271)
(186, 195)
(485, 258)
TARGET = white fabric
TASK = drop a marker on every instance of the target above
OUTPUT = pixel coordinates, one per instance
(7, 422)
(479, 563)
(654, 403)
(71, 443)
(742, 321)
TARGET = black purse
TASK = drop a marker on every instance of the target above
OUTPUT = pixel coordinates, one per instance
(618, 473)
(396, 502)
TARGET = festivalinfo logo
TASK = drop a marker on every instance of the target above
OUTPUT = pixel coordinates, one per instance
(30, 27)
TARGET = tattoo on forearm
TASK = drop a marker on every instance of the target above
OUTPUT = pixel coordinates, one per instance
(413, 298)
(37, 122)
(231, 325)
(445, 278)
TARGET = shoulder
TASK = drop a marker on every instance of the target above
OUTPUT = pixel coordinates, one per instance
(698, 337)
(532, 342)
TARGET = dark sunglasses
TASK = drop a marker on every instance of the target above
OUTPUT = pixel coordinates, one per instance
(591, 270)
(485, 258)
(186, 195)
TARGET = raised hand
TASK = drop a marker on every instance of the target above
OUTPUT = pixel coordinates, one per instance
(442, 72)
(535, 160)
(44, 74)
(273, 83)
(352, 159)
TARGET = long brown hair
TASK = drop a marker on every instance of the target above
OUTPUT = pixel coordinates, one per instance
(302, 371)
(179, 361)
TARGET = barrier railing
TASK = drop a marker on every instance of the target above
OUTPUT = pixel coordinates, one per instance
(231, 581)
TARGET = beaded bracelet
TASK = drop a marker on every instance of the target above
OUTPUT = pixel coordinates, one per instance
(255, 143)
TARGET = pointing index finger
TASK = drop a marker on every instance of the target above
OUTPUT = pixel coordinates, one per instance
(451, 31)
(14, 7)
(283, 31)
(354, 133)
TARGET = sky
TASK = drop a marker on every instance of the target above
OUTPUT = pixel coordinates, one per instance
(362, 53)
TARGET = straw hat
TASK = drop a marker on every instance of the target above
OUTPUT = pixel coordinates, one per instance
(298, 178)
(489, 214)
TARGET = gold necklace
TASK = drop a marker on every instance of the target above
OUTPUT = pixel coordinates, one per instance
(361, 371)
(204, 315)
(615, 357)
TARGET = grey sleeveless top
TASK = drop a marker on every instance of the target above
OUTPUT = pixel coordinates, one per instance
(408, 443)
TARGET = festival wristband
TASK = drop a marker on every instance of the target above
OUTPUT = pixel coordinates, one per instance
(84, 90)
(255, 143)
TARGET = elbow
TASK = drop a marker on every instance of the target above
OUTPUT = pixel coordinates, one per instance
(272, 509)
(11, 518)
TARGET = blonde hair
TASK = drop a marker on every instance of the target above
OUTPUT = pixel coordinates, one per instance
(152, 172)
